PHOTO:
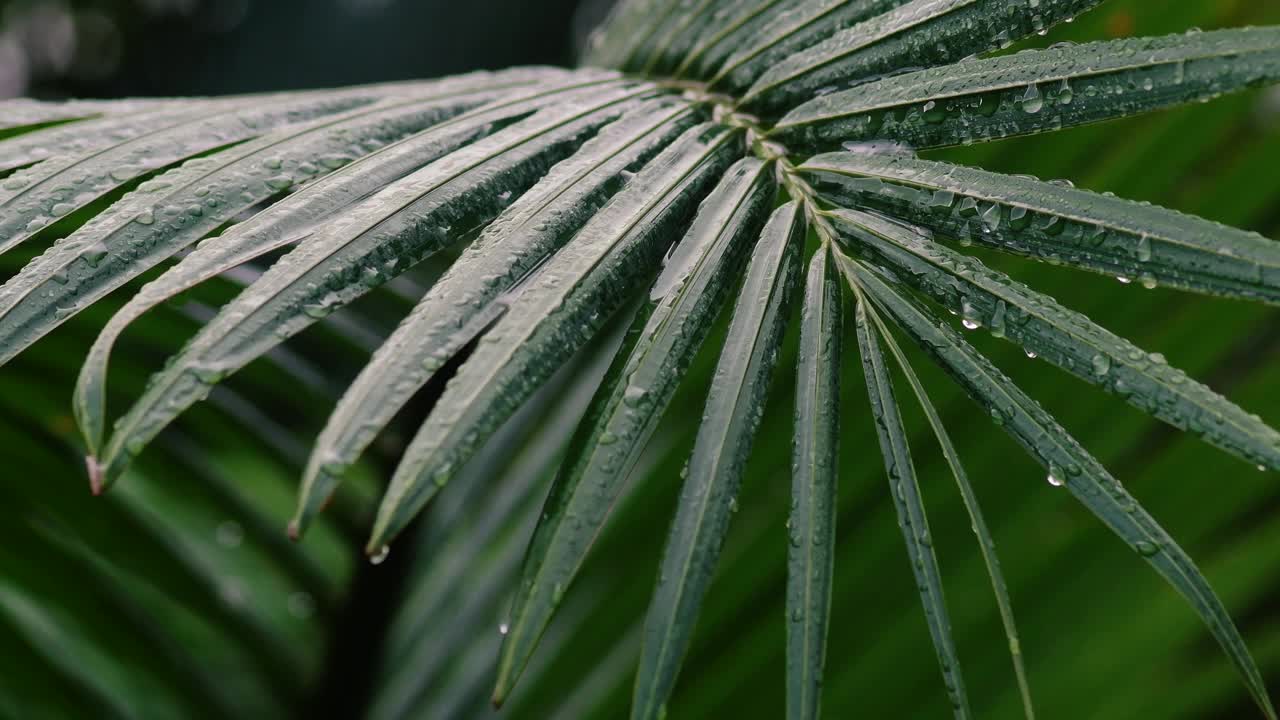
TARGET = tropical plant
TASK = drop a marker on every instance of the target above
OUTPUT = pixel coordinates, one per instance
(575, 245)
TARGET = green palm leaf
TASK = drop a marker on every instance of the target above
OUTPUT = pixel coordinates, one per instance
(1057, 223)
(467, 299)
(918, 33)
(390, 231)
(664, 336)
(552, 314)
(812, 523)
(524, 271)
(984, 297)
(1070, 466)
(905, 490)
(1036, 91)
(714, 470)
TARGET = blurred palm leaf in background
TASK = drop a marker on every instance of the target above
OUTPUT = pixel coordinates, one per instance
(595, 290)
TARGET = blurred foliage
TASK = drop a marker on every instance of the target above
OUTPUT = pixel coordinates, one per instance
(117, 48)
(177, 596)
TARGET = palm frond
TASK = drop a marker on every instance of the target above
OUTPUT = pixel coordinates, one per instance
(557, 247)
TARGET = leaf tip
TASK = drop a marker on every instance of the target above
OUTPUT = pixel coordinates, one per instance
(377, 552)
(96, 477)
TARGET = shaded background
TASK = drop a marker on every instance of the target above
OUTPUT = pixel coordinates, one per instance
(177, 592)
(117, 48)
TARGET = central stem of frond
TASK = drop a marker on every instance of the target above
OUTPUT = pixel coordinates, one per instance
(723, 111)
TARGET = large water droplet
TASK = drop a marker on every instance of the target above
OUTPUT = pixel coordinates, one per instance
(1032, 101)
(1146, 548)
(381, 556)
(1101, 365)
(1056, 477)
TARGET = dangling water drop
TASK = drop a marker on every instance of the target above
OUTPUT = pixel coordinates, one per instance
(1056, 478)
(1032, 101)
(381, 556)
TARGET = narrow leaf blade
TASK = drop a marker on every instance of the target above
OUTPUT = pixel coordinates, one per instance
(373, 241)
(1036, 91)
(556, 310)
(665, 335)
(815, 465)
(1054, 222)
(922, 33)
(986, 545)
(1067, 339)
(1070, 465)
(714, 471)
(468, 297)
(905, 490)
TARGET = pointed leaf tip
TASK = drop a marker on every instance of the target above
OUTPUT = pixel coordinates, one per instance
(95, 475)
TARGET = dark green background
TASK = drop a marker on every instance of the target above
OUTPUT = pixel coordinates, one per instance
(137, 599)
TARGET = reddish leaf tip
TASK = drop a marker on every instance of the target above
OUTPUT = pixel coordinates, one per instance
(95, 474)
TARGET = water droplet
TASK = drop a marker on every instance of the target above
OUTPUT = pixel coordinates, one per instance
(634, 395)
(279, 182)
(1032, 354)
(134, 446)
(208, 375)
(1101, 365)
(934, 112)
(1056, 477)
(1032, 101)
(970, 324)
(1146, 548)
(381, 556)
(1144, 249)
(1065, 95)
(94, 254)
(503, 629)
